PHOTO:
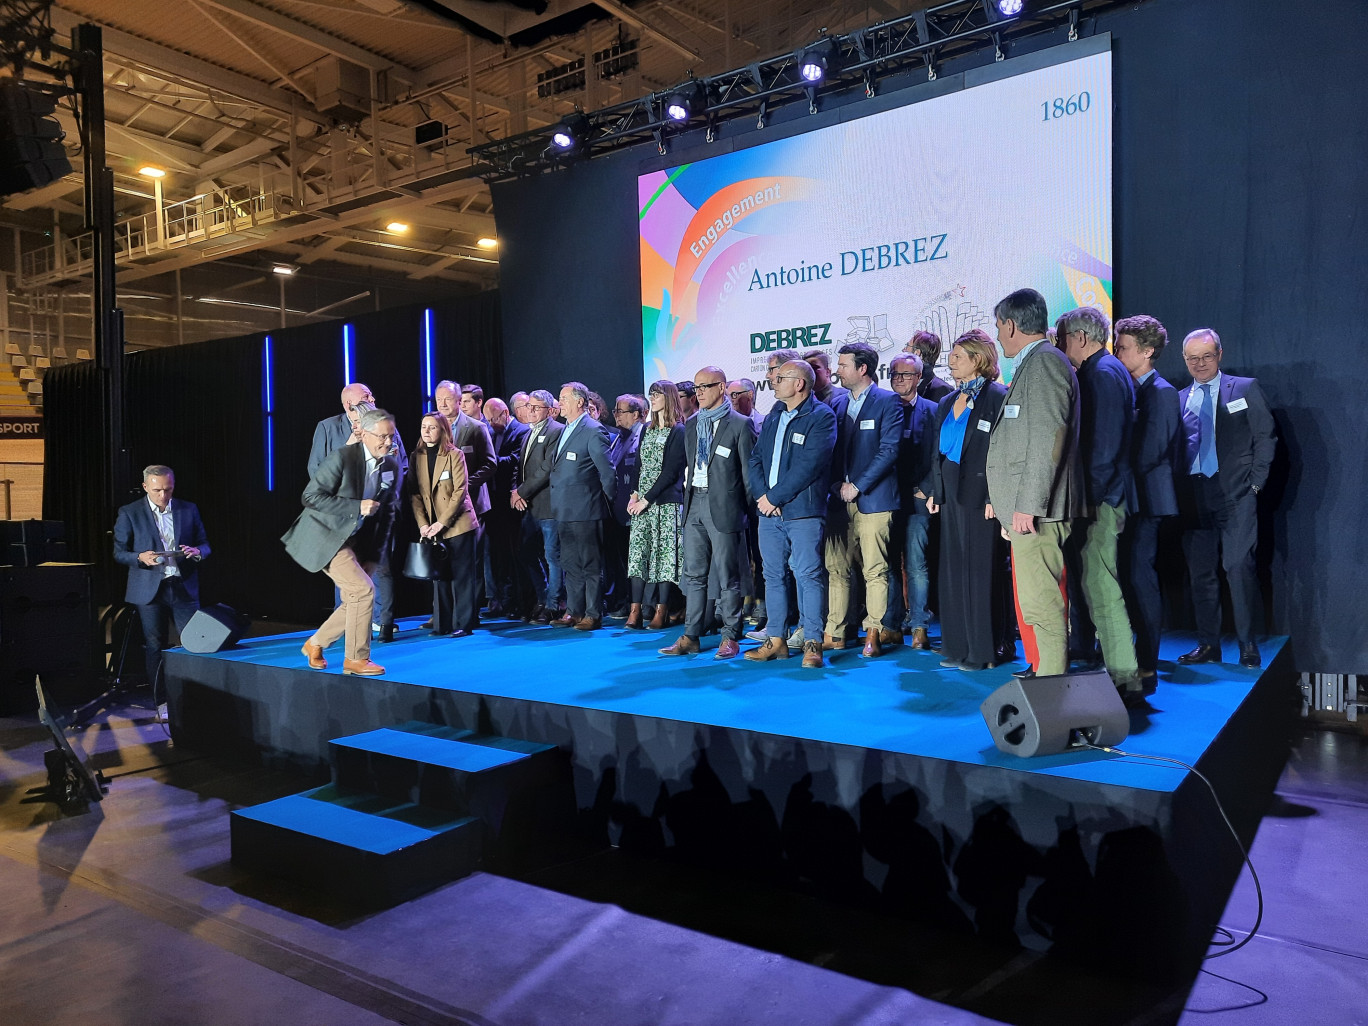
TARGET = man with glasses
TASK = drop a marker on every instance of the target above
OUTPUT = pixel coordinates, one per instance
(331, 434)
(864, 494)
(532, 495)
(908, 541)
(789, 472)
(582, 490)
(517, 405)
(624, 452)
(717, 449)
(741, 393)
(1230, 444)
(344, 531)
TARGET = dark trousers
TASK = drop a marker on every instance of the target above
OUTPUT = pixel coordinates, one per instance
(971, 585)
(617, 588)
(711, 566)
(581, 556)
(1222, 532)
(456, 602)
(171, 602)
(503, 533)
(1140, 548)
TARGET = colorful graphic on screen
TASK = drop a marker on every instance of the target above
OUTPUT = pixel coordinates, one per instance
(919, 217)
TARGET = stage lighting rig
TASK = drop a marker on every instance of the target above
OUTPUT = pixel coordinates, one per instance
(571, 134)
(1004, 10)
(685, 102)
(819, 61)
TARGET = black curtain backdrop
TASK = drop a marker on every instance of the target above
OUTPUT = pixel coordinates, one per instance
(1238, 189)
(199, 409)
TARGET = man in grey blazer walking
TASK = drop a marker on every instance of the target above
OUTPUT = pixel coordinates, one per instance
(1035, 483)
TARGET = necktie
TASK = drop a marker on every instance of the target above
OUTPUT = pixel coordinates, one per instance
(1206, 442)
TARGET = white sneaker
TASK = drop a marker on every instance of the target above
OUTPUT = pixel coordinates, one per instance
(375, 628)
(795, 640)
(760, 636)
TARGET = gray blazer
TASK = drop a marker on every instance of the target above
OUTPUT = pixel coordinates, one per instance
(1033, 463)
(332, 515)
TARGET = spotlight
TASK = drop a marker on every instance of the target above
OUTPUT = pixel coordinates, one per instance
(686, 101)
(1003, 10)
(571, 133)
(284, 269)
(397, 227)
(149, 171)
(818, 61)
(487, 243)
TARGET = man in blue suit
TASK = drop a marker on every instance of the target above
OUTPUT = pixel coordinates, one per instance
(911, 524)
(1155, 451)
(864, 494)
(162, 543)
(1231, 439)
(790, 470)
(583, 483)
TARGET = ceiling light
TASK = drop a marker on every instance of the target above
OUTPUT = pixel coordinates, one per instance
(151, 172)
(487, 243)
(283, 269)
(398, 227)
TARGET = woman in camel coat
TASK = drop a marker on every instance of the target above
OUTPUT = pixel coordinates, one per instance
(441, 504)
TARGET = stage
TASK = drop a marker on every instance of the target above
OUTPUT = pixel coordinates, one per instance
(873, 780)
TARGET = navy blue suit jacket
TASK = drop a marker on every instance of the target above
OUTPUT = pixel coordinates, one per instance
(582, 480)
(804, 460)
(1245, 437)
(867, 450)
(1107, 418)
(624, 451)
(135, 531)
(917, 452)
(1156, 448)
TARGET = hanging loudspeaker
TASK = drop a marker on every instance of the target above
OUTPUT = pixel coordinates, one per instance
(1039, 716)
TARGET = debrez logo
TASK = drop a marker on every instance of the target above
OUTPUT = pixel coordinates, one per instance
(789, 338)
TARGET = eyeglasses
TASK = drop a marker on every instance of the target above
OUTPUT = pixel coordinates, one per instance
(1205, 358)
(699, 386)
(617, 409)
(537, 406)
(388, 437)
(656, 391)
(738, 395)
(789, 377)
(904, 375)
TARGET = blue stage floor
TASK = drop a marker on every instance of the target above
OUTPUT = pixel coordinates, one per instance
(904, 702)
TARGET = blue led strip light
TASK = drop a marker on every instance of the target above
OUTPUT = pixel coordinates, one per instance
(268, 403)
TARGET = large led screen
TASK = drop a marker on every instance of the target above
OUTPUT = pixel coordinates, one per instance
(919, 217)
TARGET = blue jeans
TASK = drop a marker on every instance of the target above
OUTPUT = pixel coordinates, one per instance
(796, 544)
(553, 593)
(907, 546)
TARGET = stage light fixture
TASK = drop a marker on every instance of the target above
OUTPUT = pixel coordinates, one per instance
(686, 101)
(818, 61)
(571, 133)
(1003, 10)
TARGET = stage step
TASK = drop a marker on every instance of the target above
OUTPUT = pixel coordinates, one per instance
(490, 777)
(359, 847)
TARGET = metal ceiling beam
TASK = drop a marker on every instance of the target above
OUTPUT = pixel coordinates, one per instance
(44, 196)
(175, 62)
(314, 37)
(632, 18)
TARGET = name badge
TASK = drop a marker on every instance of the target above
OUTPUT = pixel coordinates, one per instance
(569, 455)
(541, 438)
(1237, 405)
(467, 448)
(1011, 412)
(446, 476)
(799, 439)
(866, 425)
(984, 426)
(724, 452)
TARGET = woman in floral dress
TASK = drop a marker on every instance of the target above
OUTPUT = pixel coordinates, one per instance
(655, 544)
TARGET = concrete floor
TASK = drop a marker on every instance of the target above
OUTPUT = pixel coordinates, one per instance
(131, 913)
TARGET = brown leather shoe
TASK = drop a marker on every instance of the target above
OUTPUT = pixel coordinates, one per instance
(872, 649)
(728, 649)
(685, 645)
(661, 617)
(773, 648)
(634, 620)
(829, 643)
(889, 636)
(362, 667)
(566, 620)
(314, 653)
(920, 639)
(588, 623)
(812, 655)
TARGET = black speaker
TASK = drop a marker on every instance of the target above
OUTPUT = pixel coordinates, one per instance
(31, 151)
(213, 628)
(1039, 716)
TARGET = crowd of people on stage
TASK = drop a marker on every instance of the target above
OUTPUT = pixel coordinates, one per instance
(1034, 507)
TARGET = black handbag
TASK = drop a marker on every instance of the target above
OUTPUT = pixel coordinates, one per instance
(428, 560)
